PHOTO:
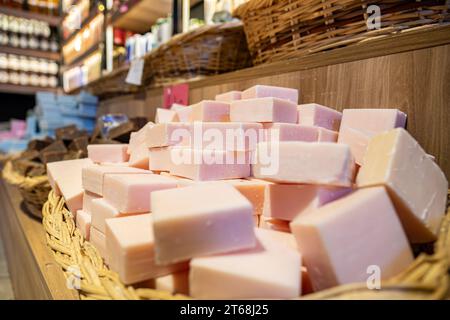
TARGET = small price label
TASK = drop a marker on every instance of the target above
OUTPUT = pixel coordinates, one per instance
(178, 93)
(134, 75)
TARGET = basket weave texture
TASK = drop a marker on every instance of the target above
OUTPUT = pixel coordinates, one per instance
(281, 29)
(112, 84)
(426, 278)
(207, 50)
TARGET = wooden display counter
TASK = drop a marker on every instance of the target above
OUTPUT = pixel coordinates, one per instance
(32, 268)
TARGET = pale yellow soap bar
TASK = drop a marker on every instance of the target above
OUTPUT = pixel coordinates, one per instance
(416, 184)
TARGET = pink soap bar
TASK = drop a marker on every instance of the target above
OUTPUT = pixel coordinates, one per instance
(254, 190)
(108, 152)
(274, 224)
(200, 220)
(130, 248)
(263, 110)
(98, 240)
(270, 270)
(323, 163)
(94, 176)
(159, 159)
(115, 164)
(130, 193)
(230, 136)
(313, 114)
(83, 221)
(342, 240)
(102, 210)
(175, 283)
(137, 148)
(260, 91)
(358, 126)
(417, 186)
(87, 201)
(210, 111)
(287, 201)
(67, 170)
(209, 164)
(72, 192)
(229, 96)
(183, 114)
(167, 134)
(296, 132)
(165, 115)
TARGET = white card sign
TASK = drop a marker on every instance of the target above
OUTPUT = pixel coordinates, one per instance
(134, 75)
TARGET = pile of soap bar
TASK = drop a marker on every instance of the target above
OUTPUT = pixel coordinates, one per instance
(251, 195)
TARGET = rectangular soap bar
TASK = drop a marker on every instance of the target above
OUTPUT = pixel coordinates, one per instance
(102, 210)
(98, 240)
(313, 114)
(108, 152)
(205, 165)
(94, 176)
(83, 221)
(229, 96)
(138, 149)
(342, 240)
(323, 163)
(254, 190)
(175, 283)
(68, 169)
(270, 270)
(261, 91)
(183, 114)
(167, 134)
(165, 115)
(210, 111)
(274, 224)
(263, 110)
(130, 193)
(159, 159)
(87, 201)
(130, 248)
(416, 184)
(287, 201)
(358, 126)
(200, 220)
(296, 132)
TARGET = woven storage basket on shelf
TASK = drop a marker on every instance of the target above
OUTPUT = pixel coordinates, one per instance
(426, 278)
(112, 84)
(281, 29)
(207, 50)
(34, 190)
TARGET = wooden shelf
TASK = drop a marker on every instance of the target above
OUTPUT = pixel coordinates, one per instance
(51, 20)
(78, 60)
(55, 56)
(28, 90)
(94, 13)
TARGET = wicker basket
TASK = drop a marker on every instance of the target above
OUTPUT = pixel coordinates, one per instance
(112, 84)
(34, 190)
(281, 29)
(207, 50)
(426, 278)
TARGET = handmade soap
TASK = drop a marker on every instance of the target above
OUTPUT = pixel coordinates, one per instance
(83, 221)
(416, 184)
(175, 283)
(254, 190)
(260, 91)
(210, 111)
(358, 126)
(270, 270)
(167, 134)
(94, 176)
(102, 210)
(87, 200)
(229, 96)
(130, 248)
(345, 239)
(296, 132)
(287, 201)
(108, 152)
(183, 114)
(164, 115)
(205, 165)
(68, 170)
(130, 193)
(159, 159)
(263, 110)
(323, 163)
(200, 220)
(98, 239)
(313, 114)
(137, 148)
(274, 224)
